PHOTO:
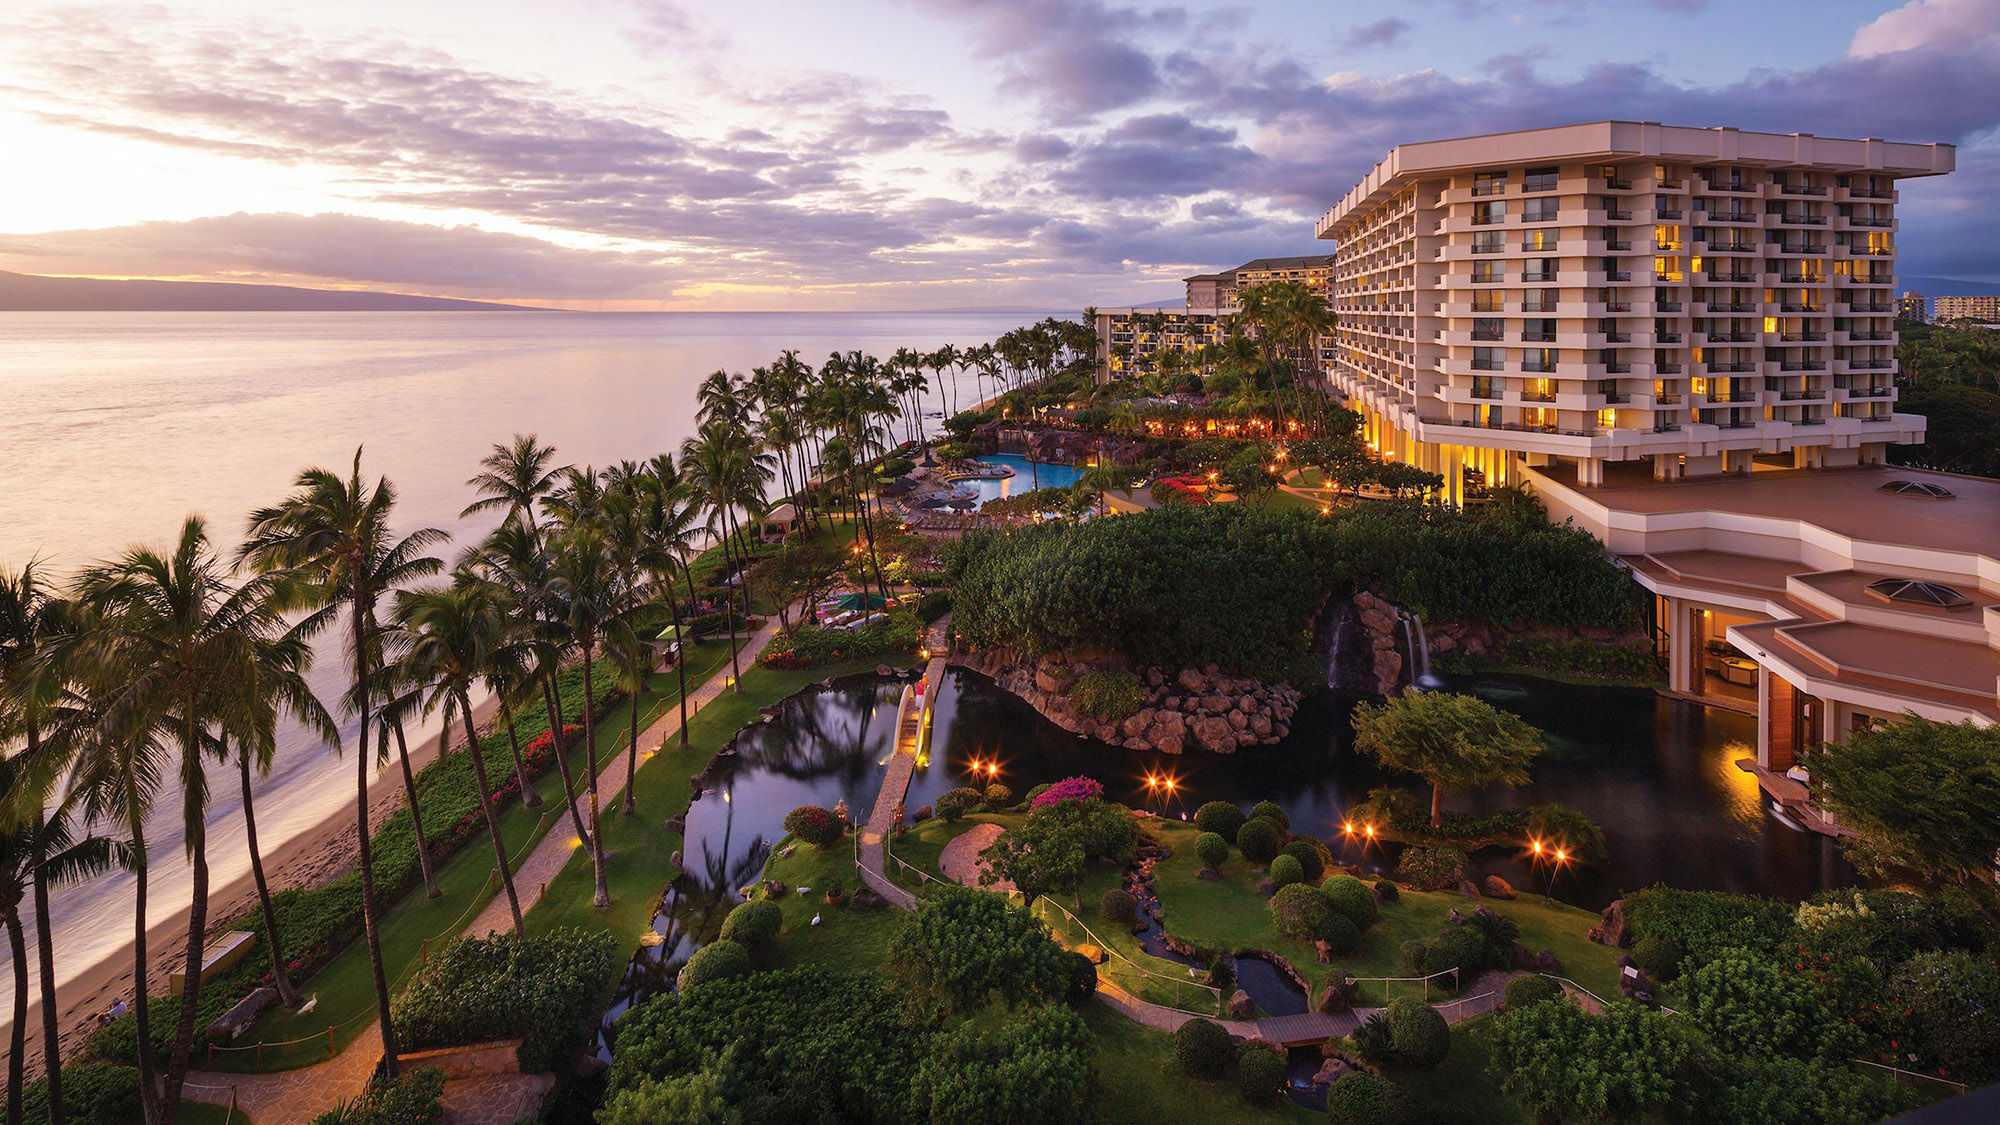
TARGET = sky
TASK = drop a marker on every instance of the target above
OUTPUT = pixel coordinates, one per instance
(880, 154)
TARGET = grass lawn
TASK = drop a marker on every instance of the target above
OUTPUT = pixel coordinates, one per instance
(344, 987)
(1461, 1090)
(202, 1113)
(1229, 915)
(848, 937)
(1139, 1085)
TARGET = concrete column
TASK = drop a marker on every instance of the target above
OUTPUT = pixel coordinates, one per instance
(1590, 471)
(1764, 678)
(1680, 645)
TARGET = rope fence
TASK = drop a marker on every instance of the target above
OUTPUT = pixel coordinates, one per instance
(1206, 995)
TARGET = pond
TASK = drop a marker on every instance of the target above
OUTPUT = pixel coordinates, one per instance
(1027, 475)
(1657, 774)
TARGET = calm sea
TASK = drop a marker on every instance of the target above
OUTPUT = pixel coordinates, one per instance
(116, 426)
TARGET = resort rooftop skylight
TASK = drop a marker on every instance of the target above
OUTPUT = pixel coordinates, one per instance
(1918, 592)
(1918, 488)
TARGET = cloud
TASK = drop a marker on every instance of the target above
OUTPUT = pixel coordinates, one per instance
(1925, 24)
(1076, 58)
(1382, 33)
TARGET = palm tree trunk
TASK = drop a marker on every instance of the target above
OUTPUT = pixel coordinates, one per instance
(602, 897)
(531, 798)
(416, 810)
(17, 1042)
(286, 992)
(45, 949)
(560, 745)
(728, 610)
(680, 653)
(370, 923)
(486, 806)
(177, 1059)
(1437, 804)
(631, 804)
(142, 1016)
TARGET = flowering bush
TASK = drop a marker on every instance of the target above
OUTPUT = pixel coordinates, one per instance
(815, 825)
(1070, 789)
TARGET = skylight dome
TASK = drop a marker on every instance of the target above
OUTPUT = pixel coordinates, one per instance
(1916, 592)
(1918, 488)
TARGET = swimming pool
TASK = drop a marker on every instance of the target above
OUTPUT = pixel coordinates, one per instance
(1027, 474)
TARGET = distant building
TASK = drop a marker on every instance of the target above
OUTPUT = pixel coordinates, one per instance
(1912, 307)
(1130, 336)
(1981, 308)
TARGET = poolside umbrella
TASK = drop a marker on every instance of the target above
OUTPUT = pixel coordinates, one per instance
(861, 601)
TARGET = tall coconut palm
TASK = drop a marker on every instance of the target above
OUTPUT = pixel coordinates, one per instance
(332, 540)
(40, 846)
(31, 614)
(513, 478)
(668, 524)
(728, 472)
(176, 641)
(626, 545)
(586, 603)
(446, 637)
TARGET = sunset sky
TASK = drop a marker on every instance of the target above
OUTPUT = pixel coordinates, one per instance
(879, 154)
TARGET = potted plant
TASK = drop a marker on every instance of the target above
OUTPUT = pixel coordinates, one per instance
(835, 894)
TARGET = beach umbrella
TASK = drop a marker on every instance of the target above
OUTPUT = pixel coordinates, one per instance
(861, 601)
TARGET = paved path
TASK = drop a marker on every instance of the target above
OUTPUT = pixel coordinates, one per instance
(295, 1097)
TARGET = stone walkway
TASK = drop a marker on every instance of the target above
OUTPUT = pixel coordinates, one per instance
(296, 1097)
(960, 860)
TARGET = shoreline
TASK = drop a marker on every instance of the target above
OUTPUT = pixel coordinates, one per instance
(310, 858)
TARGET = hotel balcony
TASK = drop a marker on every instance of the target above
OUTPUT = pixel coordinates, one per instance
(1739, 187)
(1800, 220)
(1744, 218)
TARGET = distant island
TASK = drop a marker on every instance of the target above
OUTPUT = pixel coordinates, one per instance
(20, 292)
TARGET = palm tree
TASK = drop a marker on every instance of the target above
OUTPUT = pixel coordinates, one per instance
(274, 683)
(30, 615)
(175, 642)
(445, 637)
(513, 478)
(38, 849)
(726, 471)
(625, 538)
(332, 541)
(669, 528)
(586, 603)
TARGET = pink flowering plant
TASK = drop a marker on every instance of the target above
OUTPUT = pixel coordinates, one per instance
(1070, 789)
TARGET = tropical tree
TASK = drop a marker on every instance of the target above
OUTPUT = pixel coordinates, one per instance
(445, 638)
(728, 473)
(512, 479)
(667, 522)
(332, 542)
(1452, 741)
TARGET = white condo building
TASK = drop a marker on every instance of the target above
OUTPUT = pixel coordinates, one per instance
(1691, 300)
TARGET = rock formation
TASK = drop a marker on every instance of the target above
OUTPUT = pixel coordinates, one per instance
(1190, 709)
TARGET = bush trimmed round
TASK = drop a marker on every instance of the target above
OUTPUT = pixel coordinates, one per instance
(1201, 1049)
(1389, 891)
(815, 825)
(1079, 978)
(1417, 1032)
(754, 924)
(1119, 906)
(1038, 790)
(1341, 935)
(719, 960)
(1312, 859)
(1658, 957)
(1351, 897)
(1530, 990)
(1273, 812)
(1300, 912)
(1366, 1099)
(1211, 849)
(1258, 841)
(1260, 1073)
(955, 803)
(998, 797)
(1221, 818)
(1285, 871)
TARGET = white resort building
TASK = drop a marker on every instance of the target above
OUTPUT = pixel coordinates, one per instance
(1128, 338)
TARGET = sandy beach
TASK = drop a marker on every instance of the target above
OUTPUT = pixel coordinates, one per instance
(311, 858)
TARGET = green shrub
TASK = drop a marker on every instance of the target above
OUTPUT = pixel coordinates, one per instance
(953, 804)
(1202, 1049)
(1531, 989)
(1943, 1013)
(1582, 658)
(754, 924)
(1341, 935)
(93, 1094)
(933, 605)
(1458, 947)
(1351, 897)
(1417, 1032)
(1273, 812)
(998, 797)
(1079, 978)
(542, 989)
(815, 825)
(1211, 849)
(1704, 923)
(1751, 1005)
(1372, 1042)
(1221, 818)
(1366, 1099)
(410, 1099)
(1037, 791)
(1659, 957)
(1311, 854)
(1258, 841)
(1300, 912)
(1260, 1073)
(897, 466)
(1389, 891)
(1285, 871)
(1118, 905)
(716, 961)
(1431, 868)
(1107, 696)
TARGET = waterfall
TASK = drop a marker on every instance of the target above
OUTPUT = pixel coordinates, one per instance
(1421, 676)
(1343, 619)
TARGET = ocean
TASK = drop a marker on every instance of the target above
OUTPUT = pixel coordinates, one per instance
(117, 426)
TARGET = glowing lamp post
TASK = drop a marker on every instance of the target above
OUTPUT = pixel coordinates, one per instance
(1553, 858)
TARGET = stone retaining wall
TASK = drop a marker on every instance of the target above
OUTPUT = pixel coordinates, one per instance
(1194, 708)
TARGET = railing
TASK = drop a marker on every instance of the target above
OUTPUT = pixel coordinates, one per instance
(1667, 306)
(1730, 185)
(1668, 369)
(1423, 983)
(1869, 193)
(1732, 217)
(1801, 189)
(1865, 221)
(1618, 244)
(1187, 994)
(1901, 1074)
(1669, 213)
(1615, 275)
(1670, 398)
(1617, 215)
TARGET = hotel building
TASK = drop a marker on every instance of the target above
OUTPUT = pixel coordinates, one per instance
(1690, 300)
(1912, 306)
(1683, 340)
(1132, 335)
(1985, 309)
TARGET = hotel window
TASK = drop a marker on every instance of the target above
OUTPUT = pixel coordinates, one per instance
(1541, 238)
(1489, 328)
(1667, 236)
(1540, 210)
(1488, 300)
(1541, 179)
(1539, 269)
(1667, 268)
(1486, 273)
(1486, 359)
(1488, 242)
(1486, 214)
(1538, 418)
(1489, 183)
(1698, 385)
(1539, 300)
(1538, 330)
(1607, 418)
(1538, 359)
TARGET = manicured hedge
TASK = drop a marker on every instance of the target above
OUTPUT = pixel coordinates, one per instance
(541, 989)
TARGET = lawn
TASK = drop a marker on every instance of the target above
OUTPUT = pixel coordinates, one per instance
(202, 1113)
(1461, 1090)
(849, 936)
(1138, 1083)
(344, 987)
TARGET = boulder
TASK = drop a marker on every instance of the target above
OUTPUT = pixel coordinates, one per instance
(1454, 918)
(1136, 723)
(1468, 888)
(1267, 886)
(1210, 874)
(1260, 724)
(1524, 958)
(1496, 887)
(923, 813)
(1241, 1007)
(1331, 1071)
(1193, 680)
(1333, 998)
(1216, 704)
(1613, 930)
(1246, 703)
(1168, 734)
(1546, 962)
(1239, 720)
(1046, 680)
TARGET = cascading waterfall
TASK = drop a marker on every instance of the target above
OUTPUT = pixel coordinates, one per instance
(1343, 619)
(1420, 672)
